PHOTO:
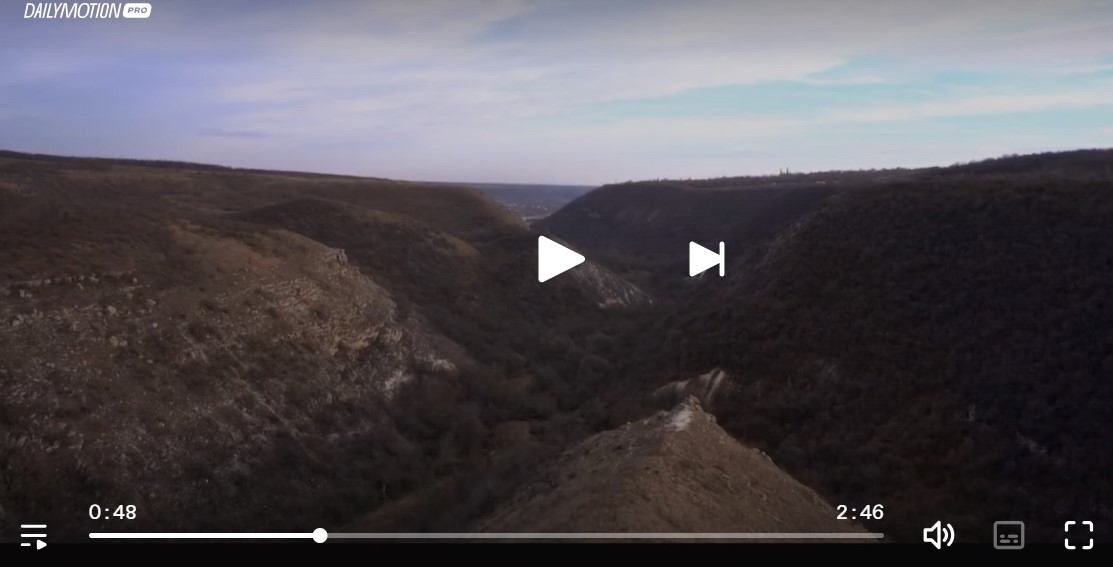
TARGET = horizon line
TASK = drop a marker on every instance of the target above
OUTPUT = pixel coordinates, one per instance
(154, 162)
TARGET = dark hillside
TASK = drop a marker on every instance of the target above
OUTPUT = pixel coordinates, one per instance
(642, 229)
(1077, 163)
(941, 347)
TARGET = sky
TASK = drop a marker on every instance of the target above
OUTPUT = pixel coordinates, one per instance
(562, 91)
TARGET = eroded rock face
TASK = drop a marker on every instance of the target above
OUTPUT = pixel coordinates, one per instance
(708, 388)
(607, 289)
(676, 471)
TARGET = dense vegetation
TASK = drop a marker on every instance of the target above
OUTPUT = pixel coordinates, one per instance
(941, 345)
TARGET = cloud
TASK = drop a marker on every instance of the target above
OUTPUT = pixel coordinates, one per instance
(844, 81)
(980, 106)
(243, 134)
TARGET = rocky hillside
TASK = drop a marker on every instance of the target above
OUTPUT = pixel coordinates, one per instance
(173, 334)
(676, 471)
(176, 396)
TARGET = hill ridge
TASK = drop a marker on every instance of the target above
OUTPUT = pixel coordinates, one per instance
(674, 471)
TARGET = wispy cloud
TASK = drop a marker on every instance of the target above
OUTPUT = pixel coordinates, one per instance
(981, 106)
(852, 80)
(244, 134)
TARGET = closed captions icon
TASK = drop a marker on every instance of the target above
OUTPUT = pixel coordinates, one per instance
(1008, 535)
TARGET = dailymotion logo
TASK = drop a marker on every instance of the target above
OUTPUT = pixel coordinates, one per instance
(85, 10)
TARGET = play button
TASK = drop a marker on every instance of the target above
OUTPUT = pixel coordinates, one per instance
(39, 544)
(554, 259)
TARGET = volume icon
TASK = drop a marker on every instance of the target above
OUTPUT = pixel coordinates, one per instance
(38, 531)
(939, 535)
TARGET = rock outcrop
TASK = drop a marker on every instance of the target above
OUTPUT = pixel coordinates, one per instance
(675, 472)
(707, 388)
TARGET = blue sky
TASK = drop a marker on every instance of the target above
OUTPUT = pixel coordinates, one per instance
(572, 91)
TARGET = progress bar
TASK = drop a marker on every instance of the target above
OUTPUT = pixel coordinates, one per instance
(320, 535)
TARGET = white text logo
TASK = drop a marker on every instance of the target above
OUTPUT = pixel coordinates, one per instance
(86, 10)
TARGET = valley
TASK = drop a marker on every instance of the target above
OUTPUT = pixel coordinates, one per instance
(935, 339)
(227, 348)
(529, 201)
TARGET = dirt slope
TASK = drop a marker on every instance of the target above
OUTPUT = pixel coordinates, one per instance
(676, 471)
